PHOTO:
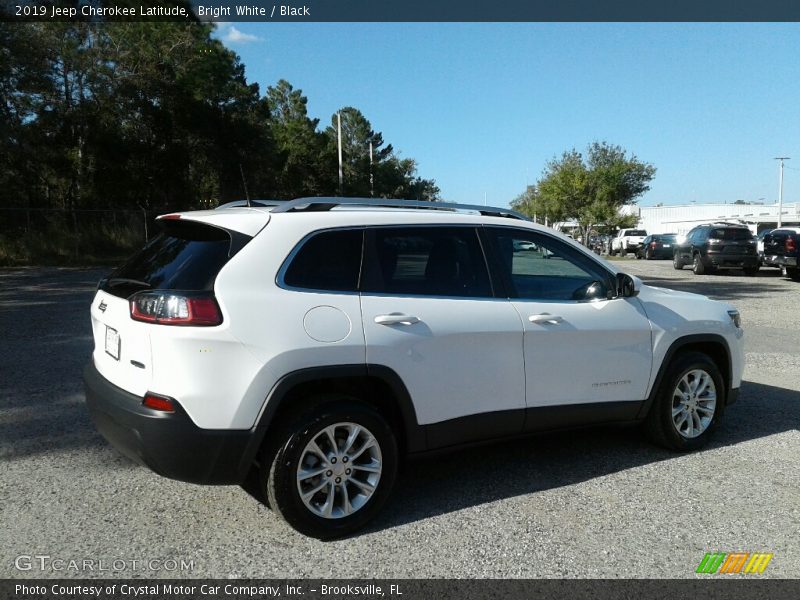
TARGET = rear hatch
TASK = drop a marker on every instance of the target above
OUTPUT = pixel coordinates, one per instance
(775, 242)
(636, 236)
(183, 261)
(732, 240)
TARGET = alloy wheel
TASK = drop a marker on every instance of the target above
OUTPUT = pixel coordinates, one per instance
(694, 402)
(339, 470)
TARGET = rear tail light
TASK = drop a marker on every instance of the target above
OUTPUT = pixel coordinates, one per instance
(652, 244)
(156, 402)
(791, 244)
(175, 309)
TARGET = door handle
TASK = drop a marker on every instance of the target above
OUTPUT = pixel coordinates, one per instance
(396, 319)
(545, 318)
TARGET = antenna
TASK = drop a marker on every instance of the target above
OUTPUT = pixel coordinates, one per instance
(244, 183)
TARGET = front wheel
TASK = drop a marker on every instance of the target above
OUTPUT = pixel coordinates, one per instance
(677, 263)
(334, 471)
(688, 403)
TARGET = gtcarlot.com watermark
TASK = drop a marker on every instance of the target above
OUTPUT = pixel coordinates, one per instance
(56, 564)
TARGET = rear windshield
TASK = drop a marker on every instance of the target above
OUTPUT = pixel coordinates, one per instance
(667, 237)
(730, 233)
(636, 232)
(185, 256)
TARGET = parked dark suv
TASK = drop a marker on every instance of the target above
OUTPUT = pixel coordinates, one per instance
(717, 246)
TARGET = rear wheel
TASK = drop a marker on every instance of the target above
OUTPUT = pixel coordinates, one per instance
(698, 267)
(677, 263)
(334, 470)
(688, 403)
(648, 255)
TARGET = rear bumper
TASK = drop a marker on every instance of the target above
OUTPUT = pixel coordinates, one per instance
(786, 261)
(168, 443)
(732, 261)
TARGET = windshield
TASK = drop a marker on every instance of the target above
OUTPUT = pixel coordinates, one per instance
(641, 232)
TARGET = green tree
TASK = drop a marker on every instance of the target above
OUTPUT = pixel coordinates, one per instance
(307, 162)
(357, 135)
(386, 175)
(590, 190)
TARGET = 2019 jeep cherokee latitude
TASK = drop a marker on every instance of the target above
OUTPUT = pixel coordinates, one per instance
(319, 342)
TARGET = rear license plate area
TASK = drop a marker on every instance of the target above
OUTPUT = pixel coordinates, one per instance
(113, 342)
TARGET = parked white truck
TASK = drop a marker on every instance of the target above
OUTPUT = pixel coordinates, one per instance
(627, 240)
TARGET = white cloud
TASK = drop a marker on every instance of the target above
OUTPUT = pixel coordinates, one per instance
(230, 35)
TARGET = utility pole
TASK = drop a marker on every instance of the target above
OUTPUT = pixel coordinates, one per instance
(339, 137)
(371, 178)
(780, 190)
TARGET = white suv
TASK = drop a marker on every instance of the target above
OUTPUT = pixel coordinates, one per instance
(321, 341)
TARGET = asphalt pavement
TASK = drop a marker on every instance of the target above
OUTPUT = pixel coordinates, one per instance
(598, 503)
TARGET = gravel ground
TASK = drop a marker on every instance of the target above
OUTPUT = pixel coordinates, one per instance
(602, 503)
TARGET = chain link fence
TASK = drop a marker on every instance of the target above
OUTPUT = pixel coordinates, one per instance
(80, 236)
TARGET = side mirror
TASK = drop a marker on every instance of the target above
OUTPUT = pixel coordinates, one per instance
(627, 286)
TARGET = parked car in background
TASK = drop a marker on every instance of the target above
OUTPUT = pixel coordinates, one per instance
(715, 246)
(658, 245)
(781, 250)
(522, 245)
(627, 240)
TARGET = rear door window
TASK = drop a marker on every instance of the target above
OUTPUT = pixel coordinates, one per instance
(429, 261)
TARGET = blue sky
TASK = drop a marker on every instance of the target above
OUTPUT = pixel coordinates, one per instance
(483, 107)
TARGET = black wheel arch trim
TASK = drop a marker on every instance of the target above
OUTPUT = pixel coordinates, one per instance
(414, 434)
(674, 348)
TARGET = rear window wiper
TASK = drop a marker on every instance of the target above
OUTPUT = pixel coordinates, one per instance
(115, 281)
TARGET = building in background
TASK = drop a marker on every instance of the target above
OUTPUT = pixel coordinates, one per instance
(680, 219)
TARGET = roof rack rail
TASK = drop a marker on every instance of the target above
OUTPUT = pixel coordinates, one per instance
(250, 204)
(325, 204)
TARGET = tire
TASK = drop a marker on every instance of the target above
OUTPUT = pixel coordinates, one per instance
(610, 251)
(648, 255)
(677, 263)
(317, 516)
(623, 251)
(698, 268)
(793, 273)
(691, 368)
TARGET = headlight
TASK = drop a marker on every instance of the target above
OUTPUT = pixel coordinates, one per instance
(736, 318)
